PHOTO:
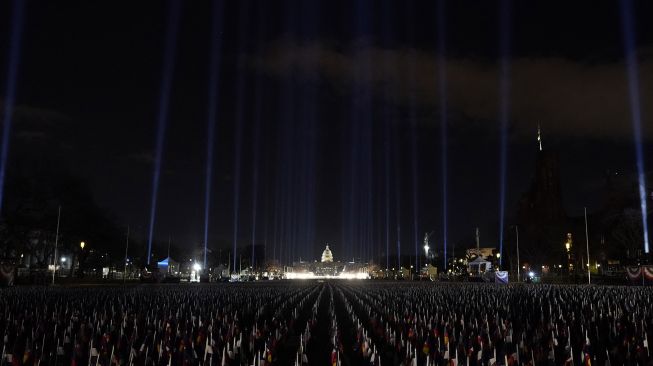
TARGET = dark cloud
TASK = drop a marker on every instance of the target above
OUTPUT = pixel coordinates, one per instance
(570, 98)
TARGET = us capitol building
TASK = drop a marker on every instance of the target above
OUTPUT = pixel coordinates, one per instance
(327, 267)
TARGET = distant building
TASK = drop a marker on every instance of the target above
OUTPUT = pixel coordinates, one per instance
(327, 267)
(327, 256)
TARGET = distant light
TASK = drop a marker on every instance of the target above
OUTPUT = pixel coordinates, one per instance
(82, 245)
(197, 267)
(531, 274)
(498, 255)
(63, 259)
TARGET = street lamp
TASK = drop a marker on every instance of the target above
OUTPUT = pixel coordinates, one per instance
(82, 245)
(568, 244)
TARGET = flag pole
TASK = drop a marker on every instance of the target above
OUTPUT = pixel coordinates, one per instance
(56, 242)
(518, 263)
(587, 242)
(124, 273)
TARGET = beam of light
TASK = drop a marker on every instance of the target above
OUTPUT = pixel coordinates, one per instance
(414, 164)
(258, 102)
(386, 151)
(369, 164)
(632, 70)
(413, 138)
(366, 188)
(240, 107)
(345, 195)
(504, 94)
(10, 91)
(442, 78)
(255, 185)
(277, 212)
(353, 215)
(288, 179)
(214, 79)
(285, 178)
(397, 195)
(285, 143)
(387, 37)
(309, 23)
(308, 171)
(255, 162)
(174, 7)
(266, 218)
(353, 175)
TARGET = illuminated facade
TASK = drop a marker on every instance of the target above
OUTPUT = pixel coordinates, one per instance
(327, 268)
(327, 256)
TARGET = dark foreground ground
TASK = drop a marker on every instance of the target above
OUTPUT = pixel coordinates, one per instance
(322, 323)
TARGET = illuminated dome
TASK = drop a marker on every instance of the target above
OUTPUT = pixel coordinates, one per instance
(326, 255)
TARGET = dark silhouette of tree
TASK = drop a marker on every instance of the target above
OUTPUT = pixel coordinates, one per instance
(36, 187)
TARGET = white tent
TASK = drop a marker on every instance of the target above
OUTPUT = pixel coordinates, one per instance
(479, 266)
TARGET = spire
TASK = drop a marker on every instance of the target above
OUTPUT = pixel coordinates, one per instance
(539, 136)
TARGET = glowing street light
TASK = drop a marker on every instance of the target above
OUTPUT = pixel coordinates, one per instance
(197, 267)
(82, 245)
(426, 250)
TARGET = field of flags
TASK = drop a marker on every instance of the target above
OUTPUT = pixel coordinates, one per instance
(327, 323)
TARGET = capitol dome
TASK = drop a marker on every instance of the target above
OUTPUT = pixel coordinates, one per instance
(326, 255)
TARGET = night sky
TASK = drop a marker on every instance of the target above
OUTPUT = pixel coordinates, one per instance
(337, 94)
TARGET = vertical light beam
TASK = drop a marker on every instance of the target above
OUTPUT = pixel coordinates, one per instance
(214, 79)
(240, 105)
(504, 94)
(632, 70)
(397, 181)
(387, 37)
(255, 162)
(174, 7)
(10, 91)
(413, 146)
(442, 78)
(386, 151)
